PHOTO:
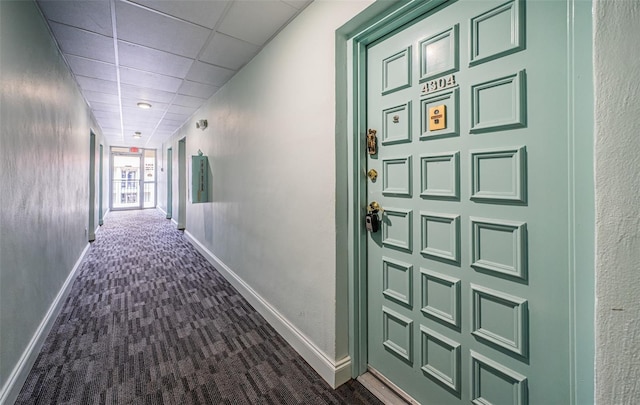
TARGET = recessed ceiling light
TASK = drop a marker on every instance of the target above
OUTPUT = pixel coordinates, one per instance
(144, 106)
(137, 134)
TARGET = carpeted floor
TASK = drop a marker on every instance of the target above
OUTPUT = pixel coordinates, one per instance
(150, 321)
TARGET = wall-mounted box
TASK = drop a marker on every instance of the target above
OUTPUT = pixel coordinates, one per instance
(199, 179)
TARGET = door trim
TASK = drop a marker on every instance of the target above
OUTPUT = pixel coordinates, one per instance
(112, 156)
(100, 190)
(351, 41)
(169, 183)
(92, 186)
(182, 183)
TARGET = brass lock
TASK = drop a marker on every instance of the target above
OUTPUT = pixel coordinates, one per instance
(374, 207)
(372, 174)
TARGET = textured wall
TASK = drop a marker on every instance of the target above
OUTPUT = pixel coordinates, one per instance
(271, 147)
(44, 175)
(617, 163)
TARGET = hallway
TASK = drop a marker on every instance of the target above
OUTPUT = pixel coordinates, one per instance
(149, 320)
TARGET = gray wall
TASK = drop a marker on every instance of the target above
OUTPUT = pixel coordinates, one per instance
(44, 175)
(617, 177)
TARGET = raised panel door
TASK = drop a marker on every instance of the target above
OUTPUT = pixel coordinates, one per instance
(468, 277)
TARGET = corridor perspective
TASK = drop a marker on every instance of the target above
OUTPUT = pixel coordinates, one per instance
(320, 201)
(150, 321)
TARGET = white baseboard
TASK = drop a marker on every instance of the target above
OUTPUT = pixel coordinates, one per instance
(161, 210)
(335, 373)
(18, 376)
(174, 221)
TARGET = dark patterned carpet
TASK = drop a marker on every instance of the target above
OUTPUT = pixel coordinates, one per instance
(150, 321)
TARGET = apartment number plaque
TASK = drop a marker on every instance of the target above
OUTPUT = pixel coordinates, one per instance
(442, 83)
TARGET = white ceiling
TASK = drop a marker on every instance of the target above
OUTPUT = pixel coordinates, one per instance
(173, 54)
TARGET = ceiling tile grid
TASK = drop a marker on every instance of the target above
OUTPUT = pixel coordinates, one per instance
(172, 54)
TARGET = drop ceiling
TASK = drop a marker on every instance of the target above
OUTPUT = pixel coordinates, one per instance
(172, 54)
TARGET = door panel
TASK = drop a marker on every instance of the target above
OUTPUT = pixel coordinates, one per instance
(468, 276)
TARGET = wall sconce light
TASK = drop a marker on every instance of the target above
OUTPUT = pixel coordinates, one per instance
(202, 124)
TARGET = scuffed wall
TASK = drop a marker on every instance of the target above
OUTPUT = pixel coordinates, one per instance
(44, 174)
(617, 171)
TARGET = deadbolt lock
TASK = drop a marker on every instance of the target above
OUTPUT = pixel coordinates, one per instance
(372, 174)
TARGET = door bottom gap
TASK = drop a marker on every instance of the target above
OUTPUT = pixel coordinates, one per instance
(385, 390)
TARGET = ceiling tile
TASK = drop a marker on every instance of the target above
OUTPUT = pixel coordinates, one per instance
(256, 21)
(107, 116)
(110, 133)
(177, 109)
(94, 96)
(148, 79)
(168, 128)
(228, 52)
(144, 127)
(78, 42)
(91, 68)
(92, 16)
(197, 89)
(176, 117)
(299, 4)
(168, 125)
(132, 127)
(139, 119)
(205, 13)
(105, 122)
(105, 107)
(206, 73)
(145, 94)
(149, 28)
(103, 86)
(152, 60)
(188, 101)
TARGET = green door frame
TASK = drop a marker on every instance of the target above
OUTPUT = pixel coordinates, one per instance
(169, 183)
(100, 195)
(381, 19)
(182, 183)
(92, 186)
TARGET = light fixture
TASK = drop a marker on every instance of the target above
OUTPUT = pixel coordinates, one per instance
(202, 124)
(137, 134)
(144, 106)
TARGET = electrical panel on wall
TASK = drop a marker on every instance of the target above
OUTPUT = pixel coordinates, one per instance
(199, 179)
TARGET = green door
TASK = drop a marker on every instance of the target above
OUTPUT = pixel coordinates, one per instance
(468, 276)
